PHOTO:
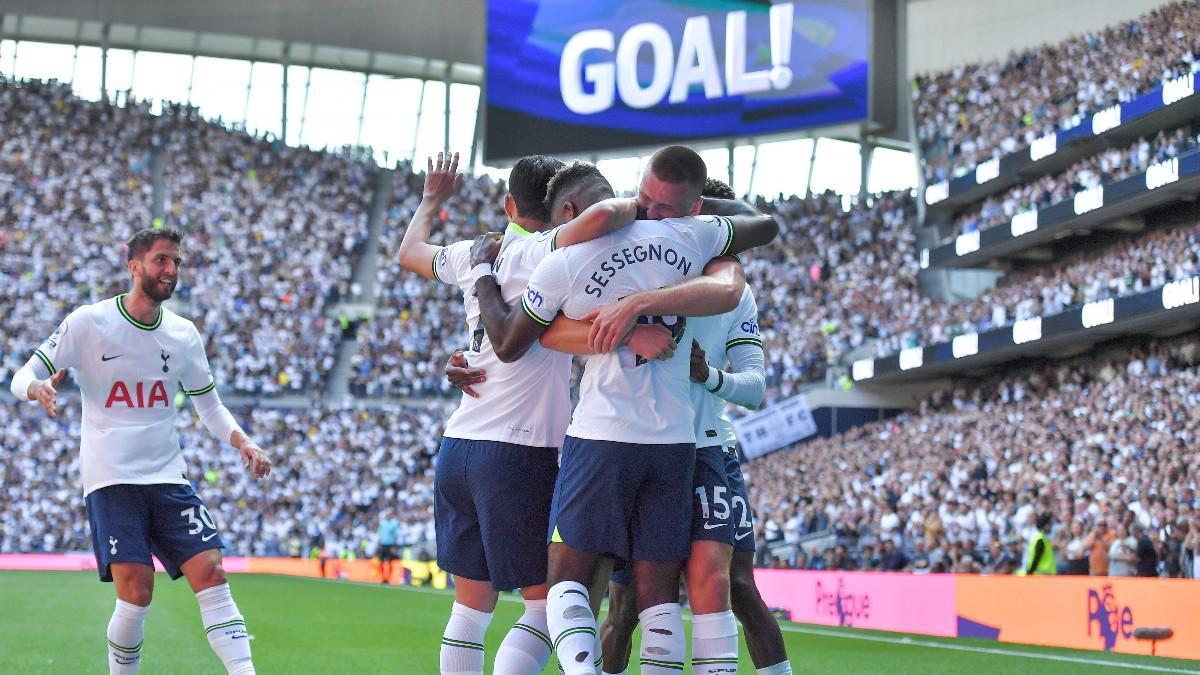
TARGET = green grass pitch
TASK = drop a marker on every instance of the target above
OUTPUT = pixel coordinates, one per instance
(54, 622)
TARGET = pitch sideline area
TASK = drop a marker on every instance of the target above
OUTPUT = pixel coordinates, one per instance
(55, 622)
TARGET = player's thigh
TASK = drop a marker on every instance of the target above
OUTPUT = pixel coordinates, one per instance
(662, 515)
(743, 519)
(204, 570)
(595, 495)
(512, 487)
(459, 541)
(119, 520)
(656, 582)
(133, 582)
(713, 513)
(181, 528)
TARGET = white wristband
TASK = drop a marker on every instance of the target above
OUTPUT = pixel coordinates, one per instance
(480, 271)
(714, 381)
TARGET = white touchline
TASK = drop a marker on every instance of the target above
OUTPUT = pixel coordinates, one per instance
(794, 628)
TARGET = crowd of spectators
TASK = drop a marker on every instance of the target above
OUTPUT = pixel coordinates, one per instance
(984, 110)
(58, 220)
(1109, 166)
(1106, 446)
(335, 471)
(273, 235)
(419, 322)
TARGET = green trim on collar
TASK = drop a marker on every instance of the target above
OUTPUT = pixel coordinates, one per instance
(135, 322)
(519, 230)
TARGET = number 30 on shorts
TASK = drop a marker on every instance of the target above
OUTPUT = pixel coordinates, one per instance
(197, 525)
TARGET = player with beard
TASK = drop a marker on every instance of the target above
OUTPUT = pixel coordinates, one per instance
(130, 356)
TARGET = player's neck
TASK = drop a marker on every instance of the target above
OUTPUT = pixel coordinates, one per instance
(529, 224)
(141, 306)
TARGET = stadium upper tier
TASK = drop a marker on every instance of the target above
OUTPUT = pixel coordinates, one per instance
(274, 234)
(982, 112)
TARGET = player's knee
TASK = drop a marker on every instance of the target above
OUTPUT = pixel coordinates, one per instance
(212, 575)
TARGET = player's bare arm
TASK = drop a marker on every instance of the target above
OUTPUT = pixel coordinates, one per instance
(442, 181)
(649, 341)
(715, 292)
(745, 384)
(597, 220)
(511, 331)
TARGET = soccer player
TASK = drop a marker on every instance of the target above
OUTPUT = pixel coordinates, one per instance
(722, 528)
(389, 536)
(491, 534)
(625, 479)
(129, 353)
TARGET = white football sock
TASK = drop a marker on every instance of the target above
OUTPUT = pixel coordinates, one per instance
(781, 668)
(714, 643)
(526, 648)
(225, 629)
(572, 627)
(125, 630)
(462, 643)
(664, 647)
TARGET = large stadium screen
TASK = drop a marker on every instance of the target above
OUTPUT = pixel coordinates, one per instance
(576, 77)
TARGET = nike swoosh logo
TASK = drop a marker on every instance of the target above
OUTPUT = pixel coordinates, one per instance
(710, 526)
(110, 358)
(740, 537)
(208, 537)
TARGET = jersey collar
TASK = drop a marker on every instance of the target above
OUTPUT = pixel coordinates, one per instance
(135, 322)
(518, 230)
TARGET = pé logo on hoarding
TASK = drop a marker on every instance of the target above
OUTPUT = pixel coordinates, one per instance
(673, 74)
(1110, 620)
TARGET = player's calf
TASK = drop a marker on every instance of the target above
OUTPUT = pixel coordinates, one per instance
(125, 630)
(764, 640)
(616, 635)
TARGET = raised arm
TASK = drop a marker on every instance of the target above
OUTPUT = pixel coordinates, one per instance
(442, 181)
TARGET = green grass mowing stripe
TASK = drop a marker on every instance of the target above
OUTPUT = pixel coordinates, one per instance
(322, 626)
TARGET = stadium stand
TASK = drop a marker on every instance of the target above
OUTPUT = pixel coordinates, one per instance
(982, 111)
(955, 485)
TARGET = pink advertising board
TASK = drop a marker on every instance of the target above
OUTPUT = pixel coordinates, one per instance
(907, 603)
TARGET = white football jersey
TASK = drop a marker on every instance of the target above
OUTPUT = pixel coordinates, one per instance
(128, 373)
(621, 397)
(527, 402)
(717, 335)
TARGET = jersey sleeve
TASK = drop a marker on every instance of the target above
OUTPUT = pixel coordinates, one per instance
(452, 263)
(547, 290)
(64, 348)
(714, 235)
(544, 243)
(743, 330)
(197, 378)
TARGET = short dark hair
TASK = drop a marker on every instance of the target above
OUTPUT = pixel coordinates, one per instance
(571, 179)
(679, 164)
(718, 189)
(1044, 520)
(142, 240)
(527, 184)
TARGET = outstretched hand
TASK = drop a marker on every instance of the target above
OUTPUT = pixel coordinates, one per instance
(43, 392)
(442, 180)
(255, 459)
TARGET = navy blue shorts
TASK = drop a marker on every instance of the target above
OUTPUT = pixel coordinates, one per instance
(491, 506)
(131, 522)
(626, 500)
(712, 510)
(743, 520)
